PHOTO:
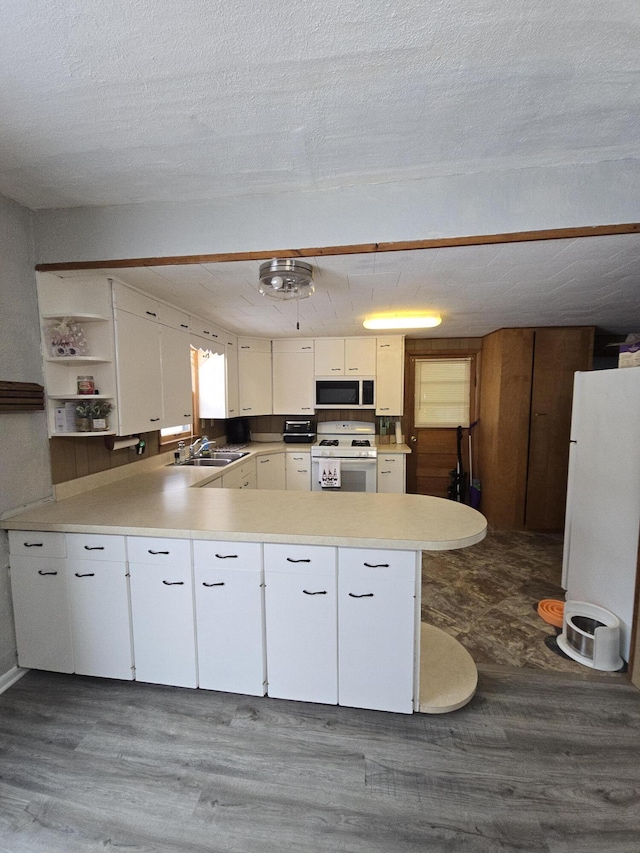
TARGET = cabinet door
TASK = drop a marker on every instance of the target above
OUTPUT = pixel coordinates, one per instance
(163, 624)
(41, 611)
(230, 629)
(377, 629)
(293, 387)
(139, 373)
(360, 357)
(175, 354)
(391, 473)
(329, 356)
(389, 376)
(254, 381)
(270, 471)
(231, 364)
(100, 625)
(298, 471)
(301, 622)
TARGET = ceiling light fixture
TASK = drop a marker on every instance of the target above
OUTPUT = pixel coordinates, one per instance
(408, 322)
(286, 278)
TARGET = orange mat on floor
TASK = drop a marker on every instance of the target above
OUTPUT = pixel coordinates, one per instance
(551, 611)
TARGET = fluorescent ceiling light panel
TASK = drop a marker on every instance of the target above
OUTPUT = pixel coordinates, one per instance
(424, 322)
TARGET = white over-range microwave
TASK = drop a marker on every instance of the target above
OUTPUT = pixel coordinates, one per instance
(348, 392)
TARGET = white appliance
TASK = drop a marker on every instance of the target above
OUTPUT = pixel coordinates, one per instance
(603, 496)
(351, 445)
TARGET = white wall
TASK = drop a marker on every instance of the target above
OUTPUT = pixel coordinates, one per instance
(450, 206)
(24, 448)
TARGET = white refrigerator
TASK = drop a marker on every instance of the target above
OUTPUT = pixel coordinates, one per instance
(602, 525)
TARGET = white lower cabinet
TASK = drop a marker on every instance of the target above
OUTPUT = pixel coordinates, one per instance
(162, 611)
(301, 622)
(100, 624)
(376, 628)
(229, 616)
(298, 470)
(41, 612)
(391, 473)
(242, 477)
(270, 471)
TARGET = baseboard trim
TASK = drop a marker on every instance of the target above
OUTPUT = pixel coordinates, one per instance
(10, 677)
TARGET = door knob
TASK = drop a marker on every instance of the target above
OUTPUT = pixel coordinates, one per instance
(413, 438)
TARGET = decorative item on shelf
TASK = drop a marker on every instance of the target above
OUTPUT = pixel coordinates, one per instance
(86, 385)
(66, 338)
(83, 416)
(100, 411)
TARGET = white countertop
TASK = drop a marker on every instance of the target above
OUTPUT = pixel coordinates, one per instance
(166, 502)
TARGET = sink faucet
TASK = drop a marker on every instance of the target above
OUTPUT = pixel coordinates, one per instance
(195, 451)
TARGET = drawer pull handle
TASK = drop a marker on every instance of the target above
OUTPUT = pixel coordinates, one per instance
(94, 547)
(306, 347)
(319, 592)
(227, 556)
(33, 544)
(184, 325)
(151, 313)
(377, 565)
(86, 575)
(364, 595)
(153, 420)
(40, 572)
(167, 552)
(262, 461)
(220, 583)
(291, 560)
(173, 583)
(382, 346)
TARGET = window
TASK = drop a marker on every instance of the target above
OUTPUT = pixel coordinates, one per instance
(442, 392)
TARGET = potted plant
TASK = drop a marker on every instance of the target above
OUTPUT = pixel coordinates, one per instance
(100, 411)
(83, 416)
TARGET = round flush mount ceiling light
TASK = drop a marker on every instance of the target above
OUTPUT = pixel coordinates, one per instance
(286, 278)
(406, 322)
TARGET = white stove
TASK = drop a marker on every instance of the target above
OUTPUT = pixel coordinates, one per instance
(352, 444)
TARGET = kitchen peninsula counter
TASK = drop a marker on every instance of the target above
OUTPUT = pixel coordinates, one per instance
(167, 502)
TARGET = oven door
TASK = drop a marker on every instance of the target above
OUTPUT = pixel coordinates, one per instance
(356, 475)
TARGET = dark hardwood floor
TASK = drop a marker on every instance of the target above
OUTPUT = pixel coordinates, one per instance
(537, 761)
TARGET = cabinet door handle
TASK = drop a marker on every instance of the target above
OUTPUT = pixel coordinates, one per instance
(184, 325)
(382, 346)
(40, 572)
(306, 408)
(306, 347)
(173, 583)
(385, 472)
(247, 409)
(220, 583)
(291, 560)
(335, 368)
(206, 332)
(245, 347)
(151, 313)
(364, 595)
(377, 565)
(33, 544)
(384, 408)
(262, 461)
(227, 556)
(187, 415)
(167, 552)
(319, 592)
(86, 575)
(353, 368)
(153, 420)
(94, 547)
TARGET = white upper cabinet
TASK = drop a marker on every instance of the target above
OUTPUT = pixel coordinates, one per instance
(254, 376)
(139, 373)
(292, 362)
(390, 375)
(175, 356)
(345, 357)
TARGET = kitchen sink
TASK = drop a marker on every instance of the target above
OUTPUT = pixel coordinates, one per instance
(218, 459)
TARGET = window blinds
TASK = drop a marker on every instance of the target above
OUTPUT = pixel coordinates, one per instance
(442, 392)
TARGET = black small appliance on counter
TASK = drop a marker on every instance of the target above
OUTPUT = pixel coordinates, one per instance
(299, 432)
(238, 431)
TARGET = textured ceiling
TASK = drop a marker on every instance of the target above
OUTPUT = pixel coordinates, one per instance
(156, 100)
(159, 101)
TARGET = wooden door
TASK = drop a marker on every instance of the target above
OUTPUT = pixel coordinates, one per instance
(558, 354)
(433, 451)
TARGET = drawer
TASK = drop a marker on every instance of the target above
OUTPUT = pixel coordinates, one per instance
(90, 546)
(159, 551)
(28, 543)
(300, 559)
(364, 564)
(227, 555)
